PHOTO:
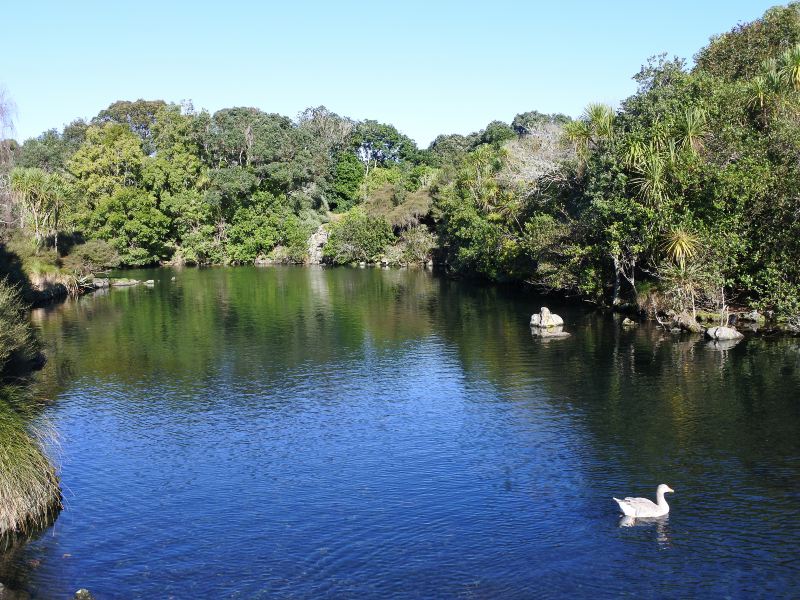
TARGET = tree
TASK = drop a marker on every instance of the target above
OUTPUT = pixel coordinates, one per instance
(283, 157)
(681, 245)
(249, 137)
(347, 181)
(49, 151)
(195, 227)
(332, 131)
(260, 226)
(7, 109)
(109, 158)
(596, 125)
(739, 53)
(451, 149)
(377, 144)
(693, 129)
(61, 196)
(527, 122)
(496, 132)
(479, 217)
(176, 163)
(130, 221)
(41, 198)
(91, 257)
(790, 67)
(28, 186)
(139, 115)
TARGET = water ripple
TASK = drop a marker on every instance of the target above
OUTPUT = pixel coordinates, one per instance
(298, 433)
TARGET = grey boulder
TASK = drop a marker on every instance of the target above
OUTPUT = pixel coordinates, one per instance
(545, 319)
(723, 333)
(686, 322)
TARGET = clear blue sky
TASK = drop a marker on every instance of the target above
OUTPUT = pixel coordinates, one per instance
(428, 67)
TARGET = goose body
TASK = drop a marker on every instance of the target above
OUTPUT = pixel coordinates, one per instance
(643, 508)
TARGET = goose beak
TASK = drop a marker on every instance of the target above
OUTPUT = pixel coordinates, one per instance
(669, 489)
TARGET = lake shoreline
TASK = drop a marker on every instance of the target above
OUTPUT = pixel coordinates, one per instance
(760, 326)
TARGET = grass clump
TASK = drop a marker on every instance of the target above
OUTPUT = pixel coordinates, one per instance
(30, 495)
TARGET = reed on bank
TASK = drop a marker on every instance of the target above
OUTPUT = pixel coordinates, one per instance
(30, 495)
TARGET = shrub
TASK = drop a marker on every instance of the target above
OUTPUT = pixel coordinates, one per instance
(34, 259)
(91, 257)
(357, 237)
(419, 243)
(17, 342)
(257, 230)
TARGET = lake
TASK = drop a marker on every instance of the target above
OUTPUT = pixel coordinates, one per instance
(365, 433)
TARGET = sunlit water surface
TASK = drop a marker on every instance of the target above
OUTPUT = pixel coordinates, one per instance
(305, 433)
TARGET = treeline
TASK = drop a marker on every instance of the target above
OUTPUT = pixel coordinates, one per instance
(685, 197)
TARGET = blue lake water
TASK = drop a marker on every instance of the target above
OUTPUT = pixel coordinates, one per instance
(364, 433)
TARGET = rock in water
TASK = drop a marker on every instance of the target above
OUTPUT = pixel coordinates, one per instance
(123, 282)
(686, 322)
(545, 319)
(754, 317)
(83, 594)
(626, 322)
(549, 333)
(724, 333)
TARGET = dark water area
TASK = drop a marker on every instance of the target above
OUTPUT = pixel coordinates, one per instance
(350, 433)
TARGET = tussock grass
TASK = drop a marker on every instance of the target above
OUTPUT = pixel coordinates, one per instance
(30, 495)
(29, 492)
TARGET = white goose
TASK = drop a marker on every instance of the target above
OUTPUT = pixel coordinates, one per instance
(642, 507)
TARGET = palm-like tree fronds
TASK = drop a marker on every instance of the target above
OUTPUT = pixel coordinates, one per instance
(634, 154)
(651, 181)
(789, 67)
(681, 245)
(601, 119)
(694, 128)
(757, 92)
(579, 134)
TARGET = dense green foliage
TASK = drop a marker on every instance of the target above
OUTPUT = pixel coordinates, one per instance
(18, 344)
(740, 53)
(357, 237)
(91, 257)
(165, 183)
(683, 198)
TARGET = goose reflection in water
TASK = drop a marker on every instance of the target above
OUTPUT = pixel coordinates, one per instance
(661, 525)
